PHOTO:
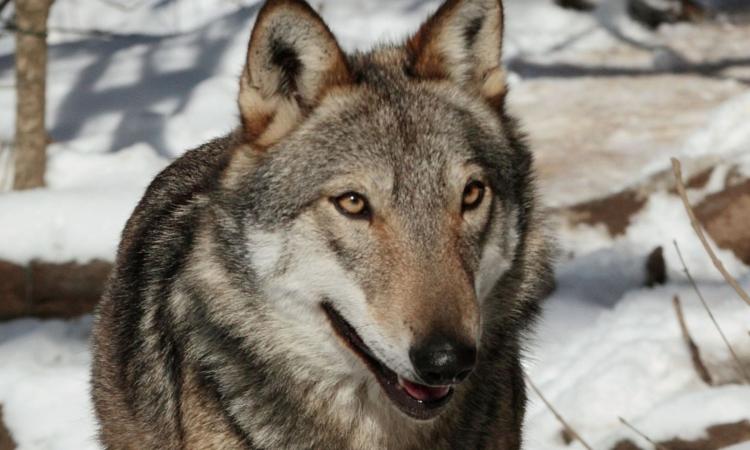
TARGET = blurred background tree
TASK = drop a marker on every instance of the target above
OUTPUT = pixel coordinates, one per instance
(31, 74)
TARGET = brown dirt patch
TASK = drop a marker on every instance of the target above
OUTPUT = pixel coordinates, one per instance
(726, 216)
(614, 211)
(626, 445)
(699, 180)
(719, 436)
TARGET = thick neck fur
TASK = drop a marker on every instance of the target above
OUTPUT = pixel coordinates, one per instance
(280, 384)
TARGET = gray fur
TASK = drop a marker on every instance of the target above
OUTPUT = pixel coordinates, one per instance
(210, 334)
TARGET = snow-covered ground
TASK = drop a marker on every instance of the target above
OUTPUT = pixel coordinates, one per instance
(122, 106)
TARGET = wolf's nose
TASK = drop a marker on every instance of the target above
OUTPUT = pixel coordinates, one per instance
(440, 361)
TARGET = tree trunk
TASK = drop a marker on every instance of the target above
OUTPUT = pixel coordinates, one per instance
(31, 73)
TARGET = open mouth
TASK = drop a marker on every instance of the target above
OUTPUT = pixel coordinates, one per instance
(416, 400)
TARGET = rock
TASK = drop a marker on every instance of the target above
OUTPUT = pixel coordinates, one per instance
(656, 268)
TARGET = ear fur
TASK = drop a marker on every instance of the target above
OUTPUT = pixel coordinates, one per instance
(293, 59)
(462, 42)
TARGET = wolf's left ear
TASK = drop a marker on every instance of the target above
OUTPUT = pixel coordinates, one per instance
(462, 42)
(292, 61)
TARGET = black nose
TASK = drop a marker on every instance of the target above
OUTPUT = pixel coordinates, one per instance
(440, 360)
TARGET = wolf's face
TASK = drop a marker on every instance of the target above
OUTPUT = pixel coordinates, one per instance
(376, 193)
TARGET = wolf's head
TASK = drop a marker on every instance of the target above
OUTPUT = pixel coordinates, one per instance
(377, 199)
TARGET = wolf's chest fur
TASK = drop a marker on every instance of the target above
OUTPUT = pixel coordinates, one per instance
(352, 267)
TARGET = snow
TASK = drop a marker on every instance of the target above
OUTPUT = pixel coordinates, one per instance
(81, 214)
(740, 446)
(628, 360)
(727, 132)
(121, 107)
(44, 384)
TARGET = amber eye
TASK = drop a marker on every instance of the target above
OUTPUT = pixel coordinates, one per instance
(353, 205)
(473, 195)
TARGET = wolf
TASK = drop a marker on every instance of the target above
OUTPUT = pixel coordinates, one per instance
(355, 266)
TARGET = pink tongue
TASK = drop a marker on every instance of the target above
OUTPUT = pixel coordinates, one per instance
(422, 392)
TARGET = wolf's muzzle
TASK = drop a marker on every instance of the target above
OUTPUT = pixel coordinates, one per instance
(440, 360)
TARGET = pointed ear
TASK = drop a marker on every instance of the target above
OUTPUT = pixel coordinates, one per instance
(462, 42)
(292, 61)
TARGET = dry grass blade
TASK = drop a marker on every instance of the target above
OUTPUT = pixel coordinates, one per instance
(740, 367)
(677, 169)
(695, 353)
(572, 432)
(656, 445)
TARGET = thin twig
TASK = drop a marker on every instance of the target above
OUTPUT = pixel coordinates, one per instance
(677, 169)
(557, 415)
(656, 445)
(740, 367)
(695, 352)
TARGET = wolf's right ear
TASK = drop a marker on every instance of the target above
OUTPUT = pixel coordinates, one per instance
(292, 61)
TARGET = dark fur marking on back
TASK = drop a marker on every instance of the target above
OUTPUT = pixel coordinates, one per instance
(491, 410)
(140, 252)
(228, 345)
(173, 364)
(211, 386)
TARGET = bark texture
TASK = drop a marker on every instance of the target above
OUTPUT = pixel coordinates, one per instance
(31, 74)
(51, 290)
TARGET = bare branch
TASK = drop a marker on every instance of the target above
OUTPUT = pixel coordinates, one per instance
(695, 353)
(656, 445)
(677, 169)
(563, 422)
(740, 367)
